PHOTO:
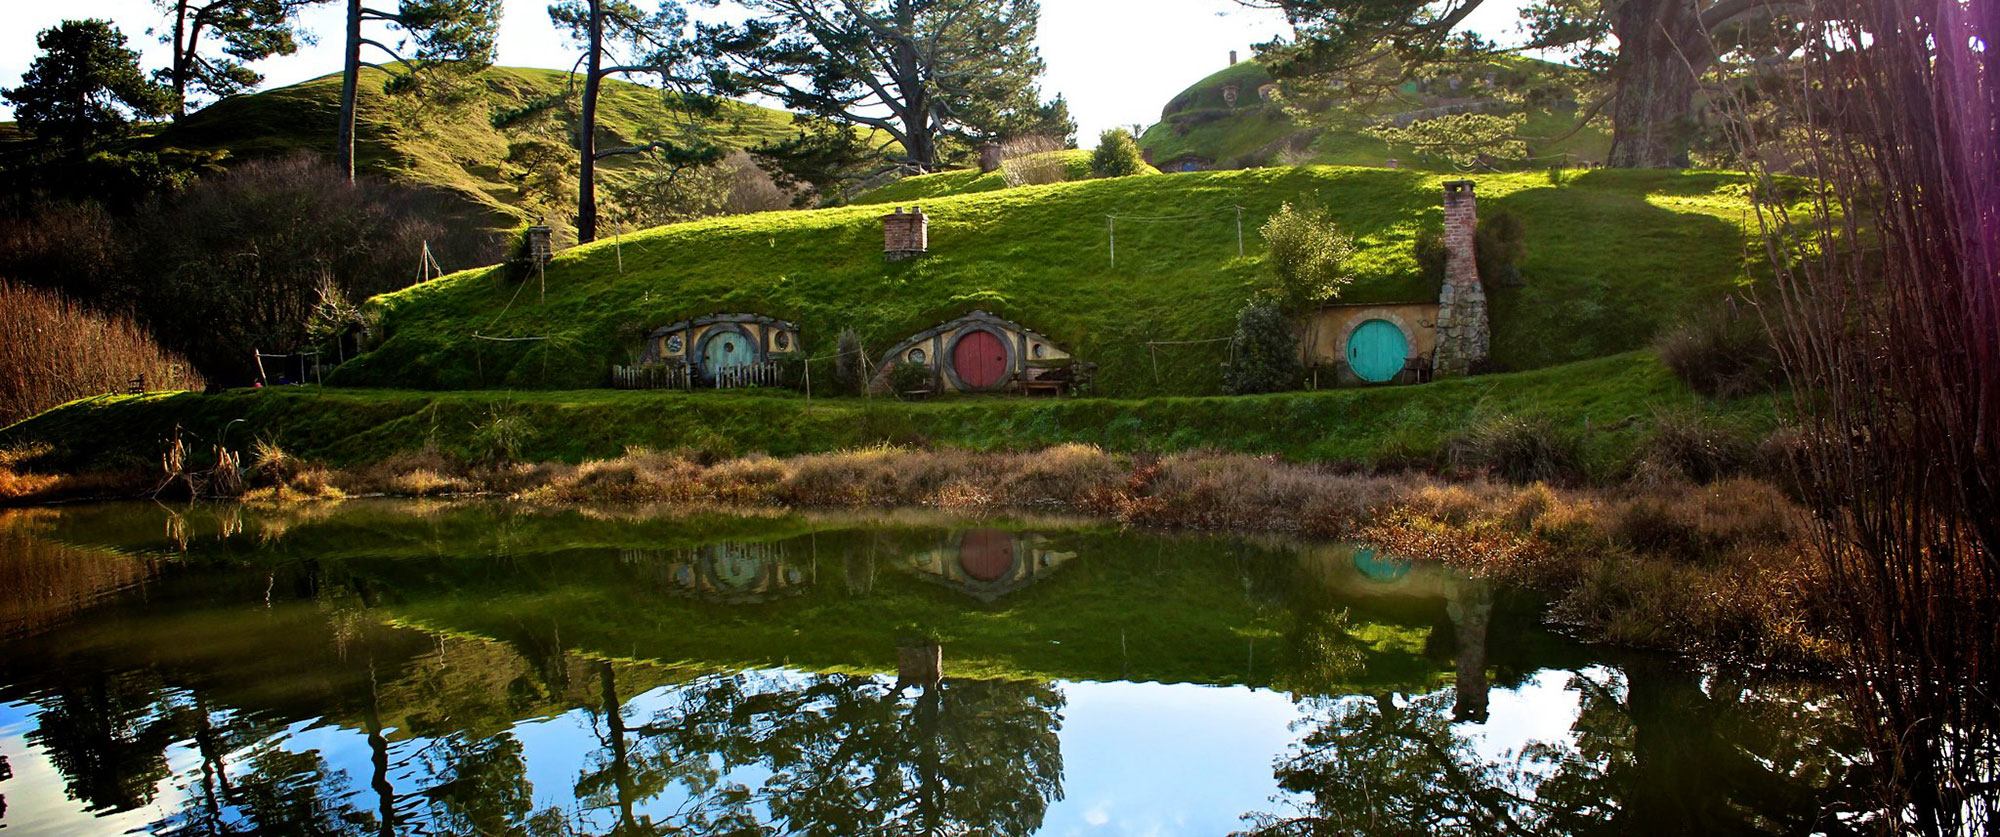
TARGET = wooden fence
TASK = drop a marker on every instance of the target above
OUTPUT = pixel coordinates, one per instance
(653, 376)
(766, 374)
(683, 376)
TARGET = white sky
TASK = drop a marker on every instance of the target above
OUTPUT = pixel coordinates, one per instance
(1118, 61)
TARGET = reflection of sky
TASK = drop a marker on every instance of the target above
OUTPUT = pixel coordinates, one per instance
(1138, 758)
(1147, 758)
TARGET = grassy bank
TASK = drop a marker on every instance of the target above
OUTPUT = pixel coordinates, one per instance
(1607, 406)
(1611, 256)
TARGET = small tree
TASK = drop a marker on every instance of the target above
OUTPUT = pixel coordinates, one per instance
(1265, 352)
(1117, 155)
(1308, 257)
(85, 86)
(850, 364)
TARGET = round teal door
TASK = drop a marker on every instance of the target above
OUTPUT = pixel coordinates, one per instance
(1376, 351)
(727, 350)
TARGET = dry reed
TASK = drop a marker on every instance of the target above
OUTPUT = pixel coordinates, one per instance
(57, 351)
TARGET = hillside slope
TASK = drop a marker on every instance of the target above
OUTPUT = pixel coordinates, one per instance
(1611, 256)
(458, 152)
(1202, 123)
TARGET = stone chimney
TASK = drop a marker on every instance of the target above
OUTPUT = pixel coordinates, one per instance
(1464, 333)
(989, 158)
(905, 235)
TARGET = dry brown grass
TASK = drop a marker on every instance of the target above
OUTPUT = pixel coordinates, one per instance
(57, 350)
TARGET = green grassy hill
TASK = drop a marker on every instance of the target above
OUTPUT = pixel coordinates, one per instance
(1611, 256)
(1200, 122)
(458, 152)
(1076, 166)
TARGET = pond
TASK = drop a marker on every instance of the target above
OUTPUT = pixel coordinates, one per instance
(409, 667)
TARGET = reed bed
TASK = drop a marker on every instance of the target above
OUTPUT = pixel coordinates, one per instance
(58, 351)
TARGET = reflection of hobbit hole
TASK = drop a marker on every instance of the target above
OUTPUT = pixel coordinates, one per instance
(722, 343)
(989, 563)
(980, 352)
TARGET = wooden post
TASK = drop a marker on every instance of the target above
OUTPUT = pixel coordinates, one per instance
(260, 366)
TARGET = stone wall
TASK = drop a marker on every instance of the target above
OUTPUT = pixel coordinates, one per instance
(905, 234)
(1465, 334)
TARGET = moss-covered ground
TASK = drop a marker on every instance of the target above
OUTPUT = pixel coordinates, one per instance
(1611, 256)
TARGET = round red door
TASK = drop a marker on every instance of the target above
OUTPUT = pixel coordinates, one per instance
(986, 554)
(980, 360)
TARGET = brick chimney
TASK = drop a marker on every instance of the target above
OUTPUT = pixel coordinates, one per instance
(1464, 333)
(1232, 58)
(905, 235)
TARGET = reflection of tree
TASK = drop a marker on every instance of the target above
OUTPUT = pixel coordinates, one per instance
(846, 755)
(107, 735)
(1653, 754)
(481, 787)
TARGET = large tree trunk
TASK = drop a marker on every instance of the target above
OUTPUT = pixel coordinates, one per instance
(350, 80)
(586, 179)
(1661, 51)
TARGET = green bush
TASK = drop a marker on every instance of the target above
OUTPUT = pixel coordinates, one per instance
(1521, 450)
(1117, 155)
(1309, 256)
(1265, 355)
(909, 377)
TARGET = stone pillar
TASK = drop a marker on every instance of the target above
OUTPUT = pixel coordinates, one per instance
(1464, 333)
(989, 158)
(905, 235)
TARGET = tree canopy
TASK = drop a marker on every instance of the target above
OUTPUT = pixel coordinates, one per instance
(925, 73)
(86, 85)
(444, 38)
(1653, 54)
(247, 30)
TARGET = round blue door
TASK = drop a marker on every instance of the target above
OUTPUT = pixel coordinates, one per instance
(1376, 351)
(727, 351)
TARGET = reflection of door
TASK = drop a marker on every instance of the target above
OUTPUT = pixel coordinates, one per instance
(986, 554)
(1376, 351)
(727, 350)
(979, 359)
(735, 567)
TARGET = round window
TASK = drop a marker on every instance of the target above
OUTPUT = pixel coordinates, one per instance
(784, 340)
(916, 355)
(1036, 351)
(675, 343)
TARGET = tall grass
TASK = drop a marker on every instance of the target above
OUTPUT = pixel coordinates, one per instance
(57, 350)
(1887, 312)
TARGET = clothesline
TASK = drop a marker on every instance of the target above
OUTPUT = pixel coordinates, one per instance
(1111, 225)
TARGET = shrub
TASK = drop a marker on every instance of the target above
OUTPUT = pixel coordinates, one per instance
(1720, 353)
(1308, 257)
(499, 439)
(850, 364)
(1265, 352)
(909, 377)
(1521, 450)
(1034, 161)
(56, 350)
(1693, 447)
(1117, 155)
(1499, 245)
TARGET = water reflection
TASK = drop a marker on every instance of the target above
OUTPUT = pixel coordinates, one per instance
(487, 670)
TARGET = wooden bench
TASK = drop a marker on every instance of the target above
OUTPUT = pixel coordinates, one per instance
(1049, 387)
